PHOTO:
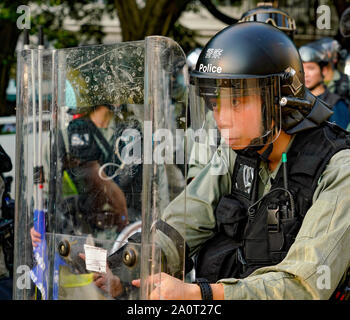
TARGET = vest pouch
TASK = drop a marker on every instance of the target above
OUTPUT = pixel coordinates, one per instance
(290, 228)
(256, 244)
(281, 241)
(218, 259)
(231, 217)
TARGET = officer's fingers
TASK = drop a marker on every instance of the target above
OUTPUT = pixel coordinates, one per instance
(103, 287)
(154, 280)
(96, 275)
(34, 234)
(136, 283)
(35, 241)
(100, 282)
(155, 294)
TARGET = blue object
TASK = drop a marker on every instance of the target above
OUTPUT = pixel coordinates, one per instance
(39, 274)
(341, 115)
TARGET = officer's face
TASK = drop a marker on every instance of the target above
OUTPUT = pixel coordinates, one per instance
(238, 118)
(313, 74)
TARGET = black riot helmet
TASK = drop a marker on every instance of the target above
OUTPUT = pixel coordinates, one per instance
(251, 64)
(312, 53)
(265, 12)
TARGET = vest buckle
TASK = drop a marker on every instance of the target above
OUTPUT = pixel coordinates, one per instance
(273, 218)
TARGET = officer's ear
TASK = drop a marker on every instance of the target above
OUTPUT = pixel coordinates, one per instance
(325, 70)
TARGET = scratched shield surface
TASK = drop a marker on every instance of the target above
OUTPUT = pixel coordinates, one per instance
(104, 74)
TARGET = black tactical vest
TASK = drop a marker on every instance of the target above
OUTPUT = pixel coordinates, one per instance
(330, 98)
(342, 87)
(252, 233)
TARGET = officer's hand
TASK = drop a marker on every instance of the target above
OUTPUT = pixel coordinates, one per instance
(107, 282)
(167, 287)
(35, 236)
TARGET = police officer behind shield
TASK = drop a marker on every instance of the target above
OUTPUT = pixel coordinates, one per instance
(87, 144)
(83, 148)
(90, 139)
(279, 210)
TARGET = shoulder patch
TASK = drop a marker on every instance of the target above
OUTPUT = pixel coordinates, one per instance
(80, 139)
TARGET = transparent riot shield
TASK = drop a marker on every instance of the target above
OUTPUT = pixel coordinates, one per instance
(100, 155)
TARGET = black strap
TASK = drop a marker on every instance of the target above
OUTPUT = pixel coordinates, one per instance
(5, 161)
(265, 155)
(206, 290)
(61, 147)
(342, 85)
(173, 234)
(178, 240)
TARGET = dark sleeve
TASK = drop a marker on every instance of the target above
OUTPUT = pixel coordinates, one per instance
(81, 143)
(5, 161)
(341, 114)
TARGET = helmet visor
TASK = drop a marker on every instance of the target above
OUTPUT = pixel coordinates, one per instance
(246, 111)
(278, 19)
(310, 54)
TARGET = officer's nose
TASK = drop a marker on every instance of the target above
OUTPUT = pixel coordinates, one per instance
(225, 117)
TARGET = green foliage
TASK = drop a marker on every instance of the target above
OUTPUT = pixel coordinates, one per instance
(51, 16)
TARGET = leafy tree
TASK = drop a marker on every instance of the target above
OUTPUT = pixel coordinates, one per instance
(9, 34)
(50, 15)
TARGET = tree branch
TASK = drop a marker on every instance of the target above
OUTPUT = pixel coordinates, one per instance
(217, 13)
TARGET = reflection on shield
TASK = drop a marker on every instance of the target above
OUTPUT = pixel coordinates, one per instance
(98, 160)
(246, 173)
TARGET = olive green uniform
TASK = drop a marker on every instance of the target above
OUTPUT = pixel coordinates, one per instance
(315, 262)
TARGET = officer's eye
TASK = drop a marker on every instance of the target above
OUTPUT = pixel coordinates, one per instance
(212, 104)
(235, 102)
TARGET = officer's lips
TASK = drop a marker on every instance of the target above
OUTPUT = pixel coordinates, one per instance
(233, 141)
(308, 83)
(236, 143)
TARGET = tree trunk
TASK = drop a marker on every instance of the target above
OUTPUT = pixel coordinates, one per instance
(156, 18)
(9, 34)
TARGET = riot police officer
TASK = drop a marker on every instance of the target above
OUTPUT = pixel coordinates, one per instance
(314, 62)
(266, 13)
(272, 206)
(99, 194)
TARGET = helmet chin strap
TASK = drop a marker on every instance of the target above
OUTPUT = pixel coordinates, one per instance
(251, 151)
(316, 85)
